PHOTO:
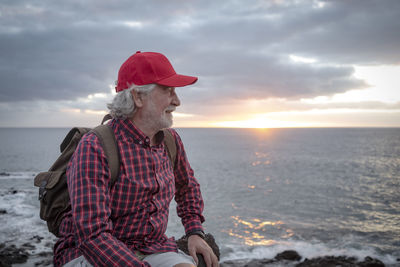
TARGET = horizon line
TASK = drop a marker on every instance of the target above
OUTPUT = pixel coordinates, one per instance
(208, 127)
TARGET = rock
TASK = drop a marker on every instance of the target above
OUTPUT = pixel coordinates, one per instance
(259, 263)
(233, 263)
(28, 246)
(290, 255)
(45, 254)
(370, 262)
(11, 255)
(46, 259)
(286, 258)
(328, 261)
(13, 191)
(209, 238)
(46, 262)
(37, 238)
(333, 261)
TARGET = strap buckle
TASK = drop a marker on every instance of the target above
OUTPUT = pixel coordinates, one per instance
(42, 189)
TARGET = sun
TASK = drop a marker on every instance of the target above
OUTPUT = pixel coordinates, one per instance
(258, 122)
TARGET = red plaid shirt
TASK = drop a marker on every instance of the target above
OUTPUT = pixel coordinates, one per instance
(107, 225)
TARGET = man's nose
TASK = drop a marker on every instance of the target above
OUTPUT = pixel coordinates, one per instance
(175, 99)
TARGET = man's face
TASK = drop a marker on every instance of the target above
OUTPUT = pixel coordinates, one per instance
(159, 105)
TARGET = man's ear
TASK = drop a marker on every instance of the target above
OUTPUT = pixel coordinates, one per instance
(137, 98)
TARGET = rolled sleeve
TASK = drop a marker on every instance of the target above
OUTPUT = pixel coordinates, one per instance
(188, 196)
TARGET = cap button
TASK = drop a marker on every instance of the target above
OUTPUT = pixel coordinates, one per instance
(138, 52)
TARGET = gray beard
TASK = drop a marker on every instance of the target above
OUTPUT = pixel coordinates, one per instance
(160, 122)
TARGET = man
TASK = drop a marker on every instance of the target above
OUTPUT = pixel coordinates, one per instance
(124, 225)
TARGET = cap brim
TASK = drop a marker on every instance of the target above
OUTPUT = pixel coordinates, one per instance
(177, 80)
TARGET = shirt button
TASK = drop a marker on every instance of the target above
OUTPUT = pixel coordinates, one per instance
(140, 142)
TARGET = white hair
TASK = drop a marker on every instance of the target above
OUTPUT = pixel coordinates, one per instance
(122, 106)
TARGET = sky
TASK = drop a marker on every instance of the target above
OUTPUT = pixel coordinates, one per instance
(260, 63)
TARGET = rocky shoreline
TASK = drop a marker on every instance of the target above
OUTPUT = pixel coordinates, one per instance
(292, 258)
(26, 254)
(11, 255)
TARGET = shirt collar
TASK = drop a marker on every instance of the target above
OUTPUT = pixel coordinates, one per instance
(130, 132)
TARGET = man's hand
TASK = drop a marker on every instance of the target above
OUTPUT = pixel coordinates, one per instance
(196, 244)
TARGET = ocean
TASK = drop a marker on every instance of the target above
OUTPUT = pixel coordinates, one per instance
(319, 191)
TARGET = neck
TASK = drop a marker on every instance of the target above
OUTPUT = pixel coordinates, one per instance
(146, 128)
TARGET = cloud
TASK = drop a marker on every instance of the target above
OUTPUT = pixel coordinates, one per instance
(352, 32)
(249, 75)
(64, 51)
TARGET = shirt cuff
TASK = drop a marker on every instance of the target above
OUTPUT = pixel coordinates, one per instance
(199, 233)
(193, 226)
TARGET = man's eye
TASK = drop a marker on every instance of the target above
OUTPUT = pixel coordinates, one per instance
(170, 89)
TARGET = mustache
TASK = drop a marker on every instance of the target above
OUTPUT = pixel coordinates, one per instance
(170, 109)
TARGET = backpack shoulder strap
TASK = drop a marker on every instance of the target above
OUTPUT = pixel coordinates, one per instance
(77, 133)
(170, 144)
(107, 138)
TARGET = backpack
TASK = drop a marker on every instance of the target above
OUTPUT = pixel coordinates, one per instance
(53, 189)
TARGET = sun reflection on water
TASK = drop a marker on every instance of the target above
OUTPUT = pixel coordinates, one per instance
(249, 240)
(255, 163)
(254, 232)
(261, 159)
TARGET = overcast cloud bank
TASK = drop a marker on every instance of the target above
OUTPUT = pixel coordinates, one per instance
(54, 53)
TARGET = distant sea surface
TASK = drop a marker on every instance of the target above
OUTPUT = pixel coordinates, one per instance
(320, 191)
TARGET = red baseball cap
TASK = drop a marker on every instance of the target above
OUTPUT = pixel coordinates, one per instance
(150, 67)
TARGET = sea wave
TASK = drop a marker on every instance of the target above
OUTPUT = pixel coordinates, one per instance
(306, 250)
(17, 175)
